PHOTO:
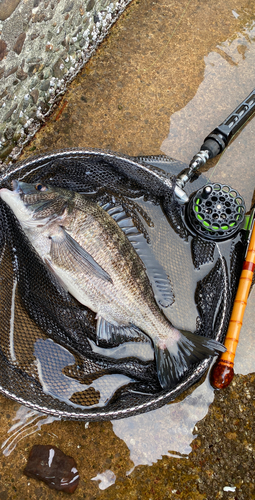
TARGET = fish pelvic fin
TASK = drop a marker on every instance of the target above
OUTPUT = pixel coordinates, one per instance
(117, 334)
(174, 360)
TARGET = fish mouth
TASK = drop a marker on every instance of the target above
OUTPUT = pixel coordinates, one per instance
(15, 186)
(23, 187)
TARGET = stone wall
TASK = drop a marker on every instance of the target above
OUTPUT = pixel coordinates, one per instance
(43, 45)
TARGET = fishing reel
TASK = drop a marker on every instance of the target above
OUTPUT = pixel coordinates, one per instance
(215, 212)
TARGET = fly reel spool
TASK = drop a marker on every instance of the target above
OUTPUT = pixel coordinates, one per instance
(216, 211)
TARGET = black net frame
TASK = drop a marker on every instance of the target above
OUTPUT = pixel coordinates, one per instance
(95, 171)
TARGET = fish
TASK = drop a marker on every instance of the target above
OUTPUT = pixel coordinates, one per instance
(92, 258)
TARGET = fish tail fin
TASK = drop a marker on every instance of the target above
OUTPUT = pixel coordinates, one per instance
(173, 360)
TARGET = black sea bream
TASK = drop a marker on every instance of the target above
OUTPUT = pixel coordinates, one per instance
(93, 259)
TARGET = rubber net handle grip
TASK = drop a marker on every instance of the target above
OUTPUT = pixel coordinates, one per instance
(220, 136)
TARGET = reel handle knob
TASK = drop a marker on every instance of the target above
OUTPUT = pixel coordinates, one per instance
(206, 192)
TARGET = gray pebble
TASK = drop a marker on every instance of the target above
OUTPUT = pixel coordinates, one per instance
(45, 85)
(10, 112)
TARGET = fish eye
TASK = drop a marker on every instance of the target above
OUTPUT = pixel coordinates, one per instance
(40, 187)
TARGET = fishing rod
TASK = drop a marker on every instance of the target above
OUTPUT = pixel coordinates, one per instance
(216, 212)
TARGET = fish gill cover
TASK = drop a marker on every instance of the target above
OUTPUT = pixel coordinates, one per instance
(51, 357)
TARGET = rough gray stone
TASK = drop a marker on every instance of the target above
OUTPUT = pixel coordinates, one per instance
(33, 68)
(90, 5)
(3, 94)
(3, 49)
(9, 113)
(5, 151)
(21, 74)
(35, 94)
(44, 106)
(9, 133)
(58, 69)
(68, 8)
(19, 43)
(11, 71)
(22, 120)
(33, 36)
(32, 112)
(45, 85)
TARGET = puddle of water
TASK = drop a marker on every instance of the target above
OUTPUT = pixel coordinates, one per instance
(27, 422)
(228, 79)
(165, 431)
(106, 479)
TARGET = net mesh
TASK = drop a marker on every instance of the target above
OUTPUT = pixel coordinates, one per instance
(46, 336)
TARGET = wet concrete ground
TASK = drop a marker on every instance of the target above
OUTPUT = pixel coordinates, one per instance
(153, 68)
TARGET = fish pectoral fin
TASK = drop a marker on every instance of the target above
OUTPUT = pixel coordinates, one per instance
(65, 249)
(117, 334)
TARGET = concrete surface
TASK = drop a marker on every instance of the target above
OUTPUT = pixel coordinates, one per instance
(149, 68)
(43, 45)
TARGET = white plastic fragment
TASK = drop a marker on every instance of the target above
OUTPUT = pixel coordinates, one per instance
(229, 488)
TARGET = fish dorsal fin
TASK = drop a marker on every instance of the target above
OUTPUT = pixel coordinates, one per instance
(159, 280)
(114, 211)
(116, 334)
(65, 249)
